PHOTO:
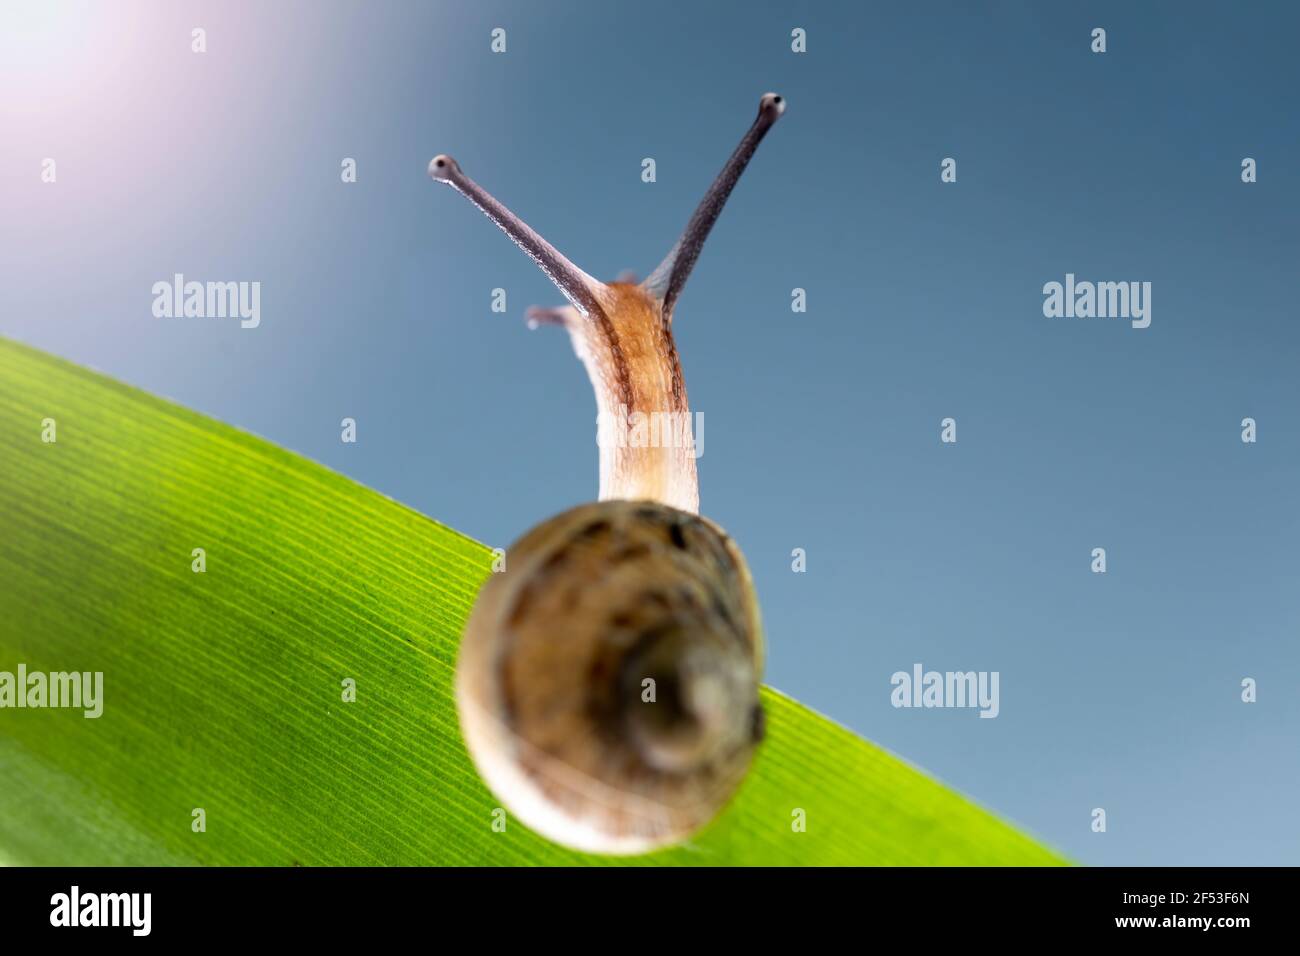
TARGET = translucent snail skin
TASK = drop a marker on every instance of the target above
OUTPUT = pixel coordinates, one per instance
(607, 683)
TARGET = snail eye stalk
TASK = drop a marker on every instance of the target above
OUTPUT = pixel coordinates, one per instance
(578, 287)
(666, 282)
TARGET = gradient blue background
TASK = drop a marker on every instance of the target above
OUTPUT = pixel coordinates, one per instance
(821, 430)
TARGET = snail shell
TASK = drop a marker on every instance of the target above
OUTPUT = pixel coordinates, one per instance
(607, 684)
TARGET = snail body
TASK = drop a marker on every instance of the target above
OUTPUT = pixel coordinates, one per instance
(607, 682)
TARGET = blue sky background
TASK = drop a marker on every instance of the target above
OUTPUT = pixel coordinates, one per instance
(821, 429)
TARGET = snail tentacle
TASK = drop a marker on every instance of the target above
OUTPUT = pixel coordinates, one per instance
(578, 287)
(666, 282)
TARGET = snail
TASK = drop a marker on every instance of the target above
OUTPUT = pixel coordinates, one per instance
(607, 682)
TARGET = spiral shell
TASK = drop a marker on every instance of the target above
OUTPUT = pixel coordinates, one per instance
(608, 680)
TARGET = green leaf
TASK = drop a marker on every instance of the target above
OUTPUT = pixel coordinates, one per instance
(222, 690)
